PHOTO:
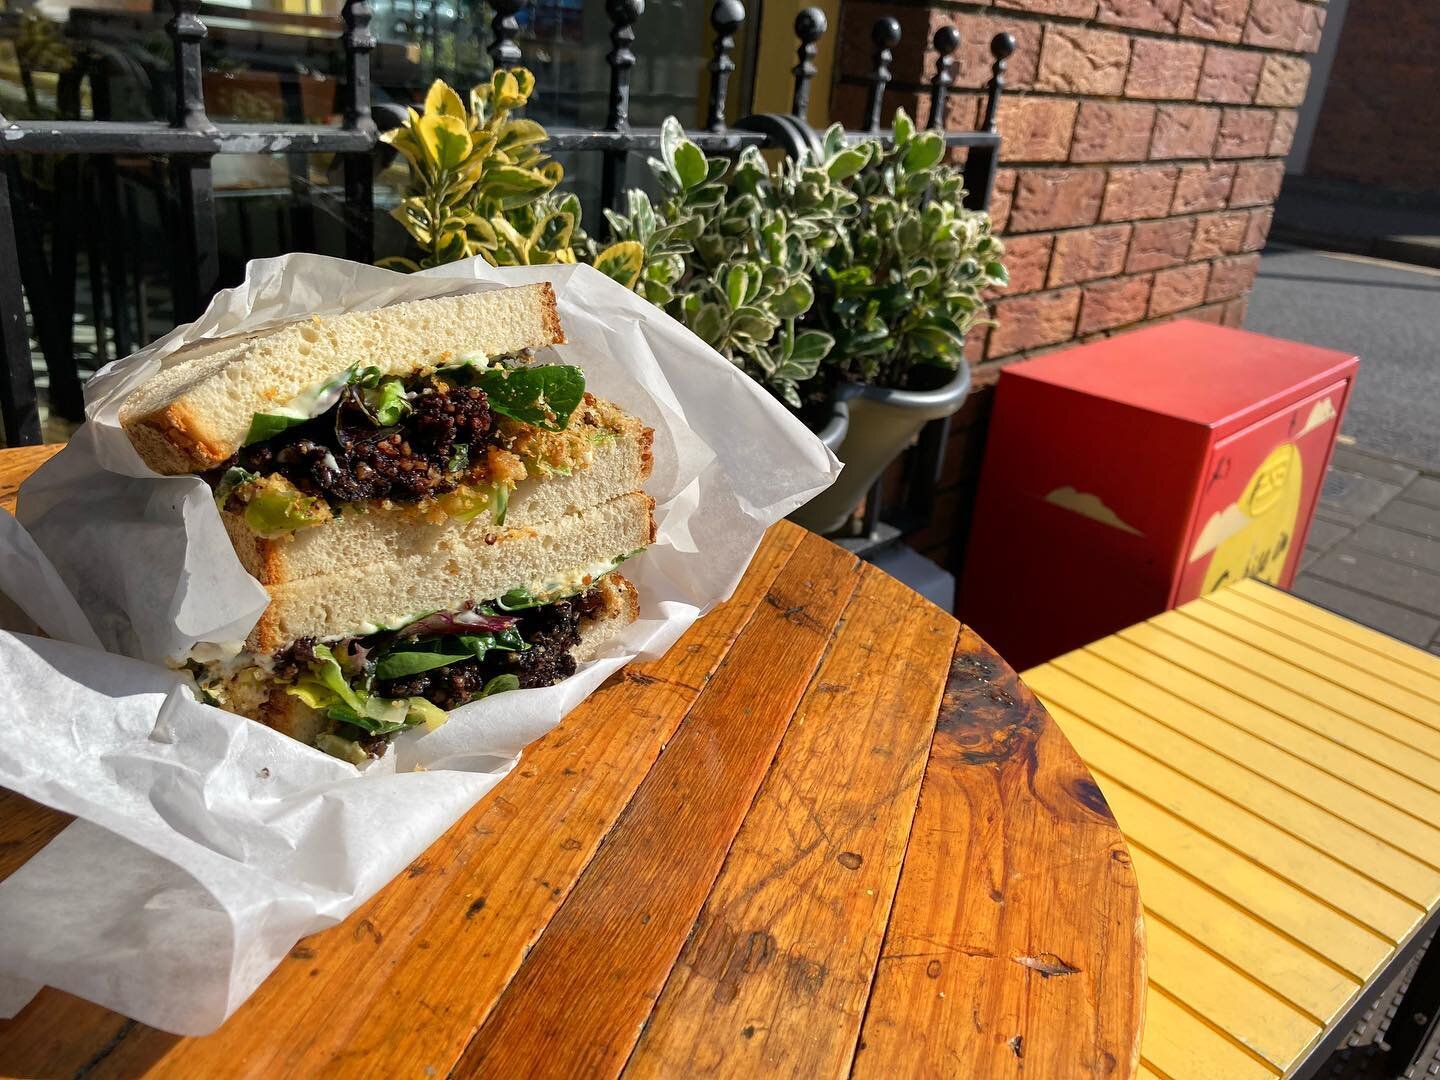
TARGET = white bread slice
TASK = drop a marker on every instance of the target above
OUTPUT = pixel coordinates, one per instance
(458, 567)
(291, 716)
(621, 464)
(194, 413)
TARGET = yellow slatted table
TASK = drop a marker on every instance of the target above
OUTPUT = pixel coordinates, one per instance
(1275, 770)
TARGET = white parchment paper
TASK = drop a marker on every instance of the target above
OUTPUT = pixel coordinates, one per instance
(206, 844)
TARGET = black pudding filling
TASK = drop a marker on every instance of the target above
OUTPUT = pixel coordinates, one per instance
(344, 456)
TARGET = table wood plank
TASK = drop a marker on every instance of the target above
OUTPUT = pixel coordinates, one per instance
(775, 977)
(576, 1006)
(427, 948)
(16, 464)
(1180, 1044)
(988, 892)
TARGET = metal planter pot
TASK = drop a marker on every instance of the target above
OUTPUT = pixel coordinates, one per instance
(881, 423)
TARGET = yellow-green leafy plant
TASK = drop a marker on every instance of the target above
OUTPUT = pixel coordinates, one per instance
(481, 182)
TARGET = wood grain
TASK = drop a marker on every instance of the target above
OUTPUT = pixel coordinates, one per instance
(577, 1004)
(988, 967)
(775, 977)
(16, 464)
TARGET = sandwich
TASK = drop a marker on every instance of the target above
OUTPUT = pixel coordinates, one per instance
(436, 514)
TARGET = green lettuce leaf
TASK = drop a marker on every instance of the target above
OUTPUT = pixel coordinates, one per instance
(545, 396)
(397, 665)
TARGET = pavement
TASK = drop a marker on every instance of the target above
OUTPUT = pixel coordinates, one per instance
(1336, 216)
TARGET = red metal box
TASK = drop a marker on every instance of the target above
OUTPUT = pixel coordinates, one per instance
(1128, 476)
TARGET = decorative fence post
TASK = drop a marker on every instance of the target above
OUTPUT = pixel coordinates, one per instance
(886, 35)
(725, 18)
(982, 161)
(946, 41)
(196, 267)
(809, 28)
(19, 409)
(623, 15)
(504, 52)
(359, 168)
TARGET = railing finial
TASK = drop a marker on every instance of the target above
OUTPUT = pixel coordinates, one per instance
(187, 31)
(504, 52)
(1002, 47)
(623, 15)
(886, 35)
(946, 41)
(358, 42)
(725, 17)
(810, 27)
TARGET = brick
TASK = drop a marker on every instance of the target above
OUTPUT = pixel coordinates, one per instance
(1313, 30)
(1001, 199)
(1056, 199)
(1158, 244)
(1219, 234)
(1036, 128)
(1112, 131)
(1283, 134)
(1074, 60)
(1144, 191)
(1179, 288)
(1257, 182)
(1231, 277)
(1257, 228)
(1244, 133)
(1283, 24)
(1216, 20)
(1028, 322)
(1165, 69)
(1234, 314)
(1080, 9)
(1211, 313)
(1203, 187)
(1027, 258)
(1229, 75)
(1184, 131)
(973, 58)
(1142, 14)
(1282, 81)
(1113, 303)
(1086, 254)
(855, 47)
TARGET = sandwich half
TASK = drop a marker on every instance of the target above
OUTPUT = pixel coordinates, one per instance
(435, 515)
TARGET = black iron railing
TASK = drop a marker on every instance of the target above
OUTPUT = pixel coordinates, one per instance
(190, 140)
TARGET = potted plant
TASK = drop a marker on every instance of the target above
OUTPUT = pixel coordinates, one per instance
(898, 291)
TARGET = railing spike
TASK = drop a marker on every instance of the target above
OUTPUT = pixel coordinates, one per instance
(1002, 47)
(810, 27)
(358, 42)
(187, 31)
(886, 35)
(623, 15)
(725, 18)
(504, 52)
(946, 41)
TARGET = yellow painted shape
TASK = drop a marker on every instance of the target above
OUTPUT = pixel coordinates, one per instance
(1336, 671)
(1271, 503)
(1380, 865)
(1172, 696)
(1407, 678)
(1229, 1001)
(1199, 626)
(1178, 1044)
(1357, 951)
(1363, 636)
(1394, 755)
(1294, 973)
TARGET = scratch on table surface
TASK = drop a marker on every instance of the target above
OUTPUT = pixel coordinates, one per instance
(1047, 964)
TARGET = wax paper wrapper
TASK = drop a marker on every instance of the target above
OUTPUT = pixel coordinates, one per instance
(206, 844)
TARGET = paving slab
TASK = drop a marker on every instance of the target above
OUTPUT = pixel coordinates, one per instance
(1401, 513)
(1352, 497)
(1408, 586)
(1409, 626)
(1324, 534)
(1425, 490)
(1397, 544)
(1353, 459)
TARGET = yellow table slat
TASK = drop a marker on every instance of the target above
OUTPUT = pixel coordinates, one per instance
(1335, 672)
(1227, 999)
(1384, 722)
(1174, 697)
(1314, 924)
(1379, 863)
(1242, 831)
(1363, 636)
(1393, 756)
(1326, 641)
(1294, 973)
(1180, 1045)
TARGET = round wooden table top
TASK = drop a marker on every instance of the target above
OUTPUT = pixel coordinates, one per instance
(828, 832)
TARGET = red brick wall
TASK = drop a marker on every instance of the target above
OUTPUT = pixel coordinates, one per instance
(1376, 122)
(1143, 148)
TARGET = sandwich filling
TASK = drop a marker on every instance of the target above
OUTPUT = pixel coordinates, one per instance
(373, 685)
(451, 441)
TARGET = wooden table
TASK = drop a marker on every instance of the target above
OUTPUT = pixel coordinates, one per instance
(828, 831)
